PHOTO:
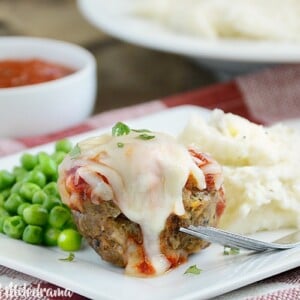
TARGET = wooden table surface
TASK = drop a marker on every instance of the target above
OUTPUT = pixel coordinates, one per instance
(127, 74)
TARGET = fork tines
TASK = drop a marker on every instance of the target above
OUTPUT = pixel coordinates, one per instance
(230, 239)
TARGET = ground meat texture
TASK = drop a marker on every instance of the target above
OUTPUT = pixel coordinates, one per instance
(115, 238)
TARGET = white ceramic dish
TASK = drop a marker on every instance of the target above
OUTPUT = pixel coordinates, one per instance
(294, 123)
(53, 105)
(115, 18)
(95, 279)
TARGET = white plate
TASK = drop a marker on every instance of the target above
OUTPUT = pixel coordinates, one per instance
(115, 18)
(294, 123)
(93, 278)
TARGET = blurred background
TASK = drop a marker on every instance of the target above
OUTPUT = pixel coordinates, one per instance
(127, 74)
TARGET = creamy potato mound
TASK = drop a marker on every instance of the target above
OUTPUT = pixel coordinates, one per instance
(249, 19)
(261, 170)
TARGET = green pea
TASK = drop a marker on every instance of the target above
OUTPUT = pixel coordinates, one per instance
(7, 179)
(21, 208)
(54, 177)
(14, 227)
(16, 188)
(63, 145)
(69, 240)
(19, 172)
(2, 219)
(38, 167)
(58, 156)
(51, 189)
(33, 234)
(51, 236)
(3, 215)
(1, 200)
(70, 224)
(39, 197)
(6, 193)
(28, 189)
(3, 212)
(29, 161)
(12, 203)
(58, 217)
(47, 164)
(37, 177)
(51, 202)
(35, 214)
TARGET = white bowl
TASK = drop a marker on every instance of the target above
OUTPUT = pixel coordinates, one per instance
(236, 56)
(54, 105)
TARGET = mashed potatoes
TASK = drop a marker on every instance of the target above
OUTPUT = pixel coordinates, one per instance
(250, 19)
(261, 170)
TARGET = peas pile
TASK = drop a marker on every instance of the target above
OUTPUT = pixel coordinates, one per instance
(30, 205)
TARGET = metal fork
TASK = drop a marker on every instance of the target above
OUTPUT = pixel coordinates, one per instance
(234, 240)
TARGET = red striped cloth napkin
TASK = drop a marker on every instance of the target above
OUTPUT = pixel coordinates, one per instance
(269, 96)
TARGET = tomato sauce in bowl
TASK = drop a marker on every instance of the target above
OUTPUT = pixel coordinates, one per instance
(14, 73)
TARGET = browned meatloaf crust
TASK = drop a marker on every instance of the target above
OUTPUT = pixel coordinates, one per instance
(111, 233)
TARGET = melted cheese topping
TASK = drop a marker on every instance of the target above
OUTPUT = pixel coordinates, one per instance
(145, 180)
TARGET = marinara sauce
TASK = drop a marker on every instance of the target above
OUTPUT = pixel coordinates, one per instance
(26, 72)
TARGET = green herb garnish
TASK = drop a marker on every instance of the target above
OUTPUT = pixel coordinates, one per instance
(141, 130)
(145, 136)
(75, 152)
(193, 270)
(120, 145)
(120, 129)
(231, 250)
(69, 258)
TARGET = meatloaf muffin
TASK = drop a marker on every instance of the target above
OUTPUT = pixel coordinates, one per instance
(130, 193)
